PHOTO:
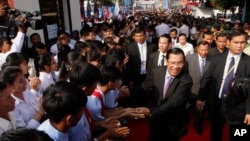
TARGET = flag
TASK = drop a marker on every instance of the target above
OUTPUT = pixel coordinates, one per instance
(167, 5)
(117, 8)
(244, 13)
(88, 9)
(106, 12)
(82, 11)
(96, 10)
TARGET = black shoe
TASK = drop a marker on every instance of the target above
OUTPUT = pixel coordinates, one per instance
(198, 129)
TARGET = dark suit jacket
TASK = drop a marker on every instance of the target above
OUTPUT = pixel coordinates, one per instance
(133, 67)
(194, 71)
(211, 83)
(169, 114)
(214, 51)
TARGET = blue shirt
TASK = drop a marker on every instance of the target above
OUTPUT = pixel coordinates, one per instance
(94, 105)
(80, 132)
(52, 132)
(110, 98)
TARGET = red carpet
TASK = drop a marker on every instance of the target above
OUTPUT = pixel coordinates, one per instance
(139, 131)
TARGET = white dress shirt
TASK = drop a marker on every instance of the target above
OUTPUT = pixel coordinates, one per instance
(160, 57)
(15, 47)
(6, 125)
(25, 110)
(46, 81)
(229, 56)
(143, 55)
(53, 132)
(187, 48)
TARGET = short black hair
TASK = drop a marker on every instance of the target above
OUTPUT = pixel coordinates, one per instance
(4, 39)
(166, 36)
(175, 51)
(114, 55)
(84, 74)
(25, 134)
(34, 34)
(9, 74)
(237, 32)
(61, 99)
(43, 60)
(203, 43)
(109, 73)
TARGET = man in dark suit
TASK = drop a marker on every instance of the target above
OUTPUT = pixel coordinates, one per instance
(215, 84)
(158, 58)
(138, 52)
(221, 42)
(171, 86)
(198, 63)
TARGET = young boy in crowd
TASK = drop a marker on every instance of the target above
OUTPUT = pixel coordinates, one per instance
(64, 103)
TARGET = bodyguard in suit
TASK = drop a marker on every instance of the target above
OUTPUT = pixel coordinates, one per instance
(158, 58)
(171, 86)
(221, 43)
(138, 52)
(216, 80)
(198, 63)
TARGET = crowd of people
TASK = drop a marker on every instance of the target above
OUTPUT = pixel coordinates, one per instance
(90, 83)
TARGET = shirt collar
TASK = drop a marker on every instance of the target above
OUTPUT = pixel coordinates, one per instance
(236, 57)
(143, 44)
(201, 58)
(161, 53)
(47, 75)
(17, 99)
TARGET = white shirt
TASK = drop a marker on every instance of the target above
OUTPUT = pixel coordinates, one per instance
(160, 57)
(15, 47)
(46, 80)
(6, 125)
(53, 132)
(193, 31)
(143, 55)
(174, 42)
(94, 105)
(229, 56)
(162, 29)
(184, 29)
(25, 110)
(187, 48)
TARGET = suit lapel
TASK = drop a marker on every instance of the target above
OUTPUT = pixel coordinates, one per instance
(156, 58)
(197, 63)
(208, 60)
(240, 67)
(172, 87)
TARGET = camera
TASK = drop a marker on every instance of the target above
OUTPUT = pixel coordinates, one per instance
(35, 24)
(240, 87)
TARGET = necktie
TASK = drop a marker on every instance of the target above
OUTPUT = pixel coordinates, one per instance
(230, 74)
(167, 84)
(173, 42)
(162, 60)
(202, 66)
